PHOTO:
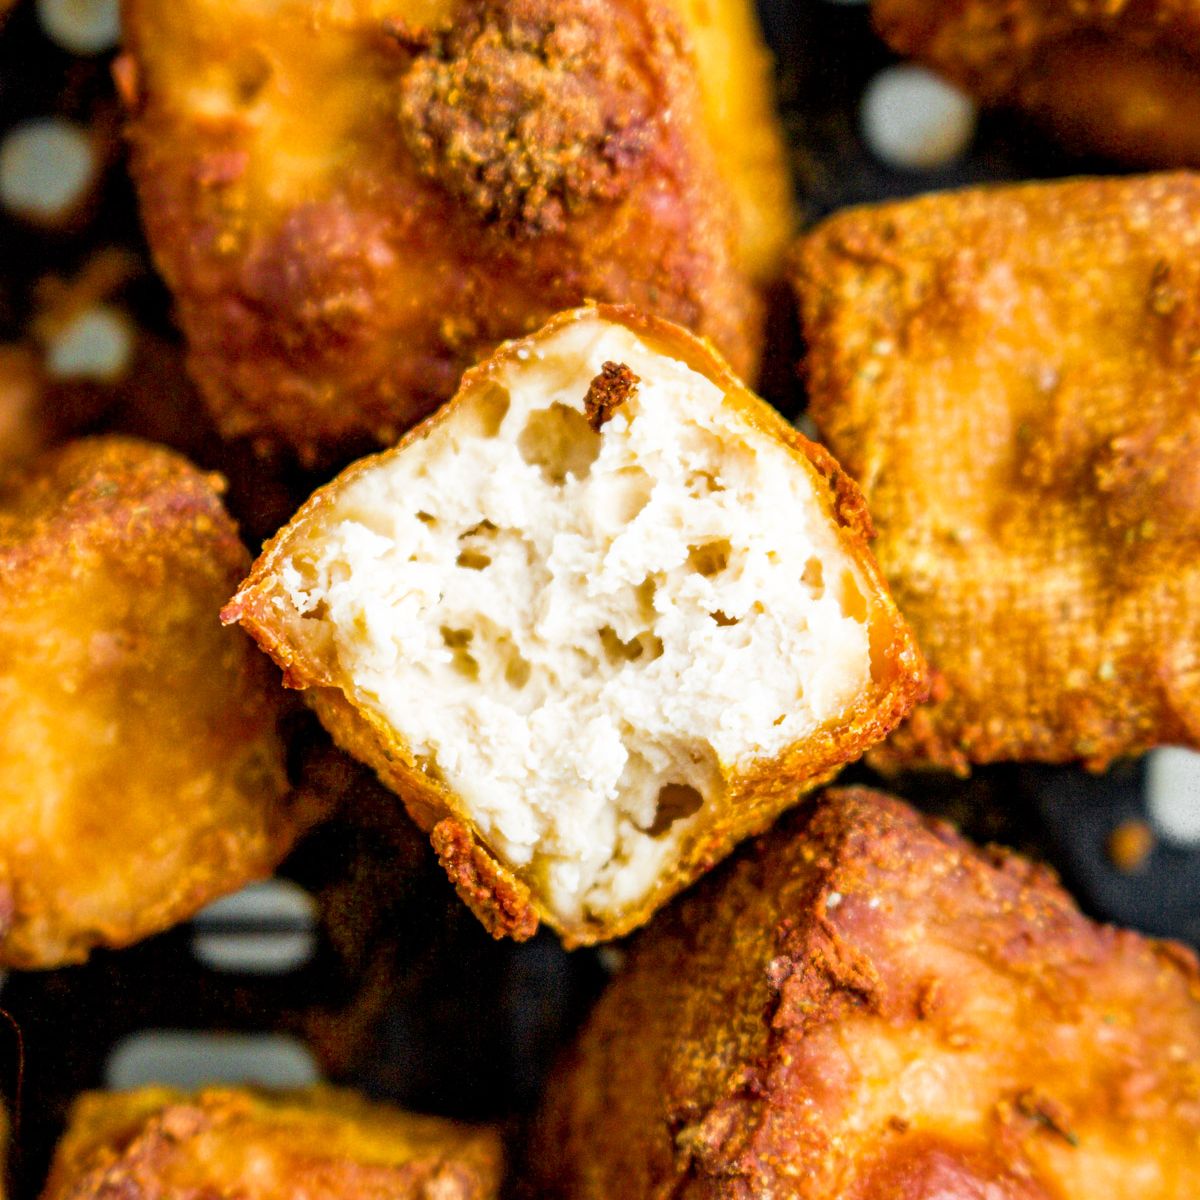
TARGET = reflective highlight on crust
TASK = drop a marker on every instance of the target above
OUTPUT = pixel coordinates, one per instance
(322, 1143)
(141, 771)
(715, 802)
(352, 204)
(1010, 374)
(861, 1004)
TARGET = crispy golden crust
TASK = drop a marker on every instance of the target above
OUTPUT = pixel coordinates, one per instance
(140, 769)
(862, 1005)
(1011, 375)
(494, 895)
(353, 203)
(753, 799)
(736, 74)
(1117, 76)
(323, 1144)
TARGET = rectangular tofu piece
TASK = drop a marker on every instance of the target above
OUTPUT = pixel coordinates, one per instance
(862, 1005)
(1011, 374)
(597, 620)
(158, 1143)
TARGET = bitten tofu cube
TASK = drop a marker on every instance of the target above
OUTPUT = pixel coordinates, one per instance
(596, 621)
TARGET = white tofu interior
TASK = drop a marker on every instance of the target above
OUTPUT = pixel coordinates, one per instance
(574, 629)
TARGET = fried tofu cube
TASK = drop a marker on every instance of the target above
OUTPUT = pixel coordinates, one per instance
(1010, 374)
(596, 621)
(141, 772)
(322, 1143)
(735, 71)
(353, 203)
(1116, 78)
(862, 1005)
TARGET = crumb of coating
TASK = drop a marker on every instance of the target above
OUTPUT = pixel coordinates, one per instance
(862, 1004)
(525, 121)
(607, 392)
(1130, 845)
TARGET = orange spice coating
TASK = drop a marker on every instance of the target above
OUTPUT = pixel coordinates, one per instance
(1010, 375)
(862, 1005)
(1121, 77)
(323, 1144)
(140, 768)
(353, 203)
(505, 901)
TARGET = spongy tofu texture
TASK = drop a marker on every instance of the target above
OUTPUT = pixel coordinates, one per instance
(582, 632)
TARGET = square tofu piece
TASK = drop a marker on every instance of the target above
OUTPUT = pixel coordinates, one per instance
(864, 1006)
(1011, 377)
(596, 621)
(353, 202)
(141, 768)
(1117, 78)
(157, 1143)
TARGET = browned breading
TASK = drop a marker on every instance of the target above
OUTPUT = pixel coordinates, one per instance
(522, 120)
(1121, 77)
(323, 1144)
(140, 768)
(354, 203)
(496, 896)
(607, 392)
(862, 1005)
(1010, 375)
(506, 900)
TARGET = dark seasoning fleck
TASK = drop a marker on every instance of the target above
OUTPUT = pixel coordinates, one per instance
(615, 384)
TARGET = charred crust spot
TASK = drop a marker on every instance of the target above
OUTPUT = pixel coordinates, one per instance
(607, 392)
(526, 113)
(496, 897)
